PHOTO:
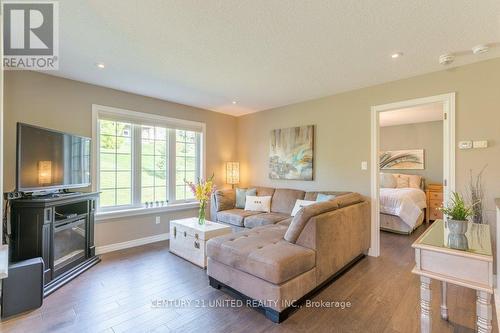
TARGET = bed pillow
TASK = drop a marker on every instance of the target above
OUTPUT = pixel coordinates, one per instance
(299, 204)
(388, 180)
(241, 196)
(403, 182)
(258, 204)
(413, 180)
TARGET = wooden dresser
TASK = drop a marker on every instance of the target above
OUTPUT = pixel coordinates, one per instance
(434, 195)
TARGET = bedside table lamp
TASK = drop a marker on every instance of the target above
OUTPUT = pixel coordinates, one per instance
(232, 173)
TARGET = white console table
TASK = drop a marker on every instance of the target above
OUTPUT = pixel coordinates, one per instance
(472, 268)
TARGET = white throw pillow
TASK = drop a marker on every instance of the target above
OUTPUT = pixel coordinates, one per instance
(388, 180)
(299, 204)
(258, 204)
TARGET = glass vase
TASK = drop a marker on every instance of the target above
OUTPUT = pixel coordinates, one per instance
(201, 213)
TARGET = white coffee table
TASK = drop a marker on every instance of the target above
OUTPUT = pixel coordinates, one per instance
(188, 238)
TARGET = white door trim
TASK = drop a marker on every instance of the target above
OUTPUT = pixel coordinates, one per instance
(448, 101)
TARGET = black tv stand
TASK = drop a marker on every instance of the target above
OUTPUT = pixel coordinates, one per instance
(59, 228)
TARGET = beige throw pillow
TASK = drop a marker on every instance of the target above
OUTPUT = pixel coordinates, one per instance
(403, 182)
(258, 204)
(413, 180)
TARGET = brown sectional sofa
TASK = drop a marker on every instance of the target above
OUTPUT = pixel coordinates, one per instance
(281, 260)
(222, 207)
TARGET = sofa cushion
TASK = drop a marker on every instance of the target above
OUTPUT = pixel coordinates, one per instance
(234, 216)
(264, 219)
(224, 199)
(285, 222)
(262, 252)
(313, 195)
(300, 220)
(284, 200)
(241, 196)
(264, 191)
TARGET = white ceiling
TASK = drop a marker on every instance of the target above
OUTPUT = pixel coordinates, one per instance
(413, 115)
(264, 53)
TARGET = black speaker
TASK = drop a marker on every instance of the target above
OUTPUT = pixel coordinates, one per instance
(22, 290)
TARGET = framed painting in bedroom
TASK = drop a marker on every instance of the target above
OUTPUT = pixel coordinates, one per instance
(402, 160)
(291, 153)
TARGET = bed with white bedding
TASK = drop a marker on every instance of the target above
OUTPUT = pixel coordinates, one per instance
(402, 208)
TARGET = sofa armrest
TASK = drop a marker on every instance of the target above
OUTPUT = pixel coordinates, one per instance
(221, 200)
(338, 237)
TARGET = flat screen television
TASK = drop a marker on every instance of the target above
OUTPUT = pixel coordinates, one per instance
(49, 160)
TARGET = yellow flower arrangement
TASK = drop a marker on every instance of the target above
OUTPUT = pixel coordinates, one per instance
(202, 191)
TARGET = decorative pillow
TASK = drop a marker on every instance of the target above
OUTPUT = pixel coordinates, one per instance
(413, 180)
(258, 204)
(388, 180)
(299, 204)
(403, 182)
(321, 197)
(241, 195)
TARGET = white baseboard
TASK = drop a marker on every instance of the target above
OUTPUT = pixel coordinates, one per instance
(496, 299)
(131, 243)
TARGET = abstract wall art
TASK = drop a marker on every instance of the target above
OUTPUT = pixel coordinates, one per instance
(291, 153)
(402, 160)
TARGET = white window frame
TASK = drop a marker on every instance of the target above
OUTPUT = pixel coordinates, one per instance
(123, 115)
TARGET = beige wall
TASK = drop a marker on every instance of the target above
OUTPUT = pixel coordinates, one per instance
(427, 136)
(66, 105)
(343, 129)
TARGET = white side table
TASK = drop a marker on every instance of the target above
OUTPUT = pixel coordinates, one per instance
(472, 269)
(188, 238)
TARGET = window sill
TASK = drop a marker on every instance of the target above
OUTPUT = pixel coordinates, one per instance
(104, 216)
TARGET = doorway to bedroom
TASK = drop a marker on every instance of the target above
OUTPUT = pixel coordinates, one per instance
(412, 164)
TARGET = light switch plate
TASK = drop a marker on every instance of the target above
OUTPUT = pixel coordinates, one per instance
(480, 144)
(364, 165)
(465, 145)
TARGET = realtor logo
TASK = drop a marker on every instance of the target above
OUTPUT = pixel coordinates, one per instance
(31, 35)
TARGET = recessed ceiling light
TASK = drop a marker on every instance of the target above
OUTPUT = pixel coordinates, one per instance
(446, 59)
(478, 49)
(234, 102)
(396, 55)
(100, 65)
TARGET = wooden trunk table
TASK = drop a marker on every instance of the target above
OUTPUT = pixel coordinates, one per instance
(188, 238)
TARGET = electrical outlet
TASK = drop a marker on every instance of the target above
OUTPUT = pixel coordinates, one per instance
(158, 220)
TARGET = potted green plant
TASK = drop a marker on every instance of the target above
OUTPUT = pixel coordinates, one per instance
(458, 213)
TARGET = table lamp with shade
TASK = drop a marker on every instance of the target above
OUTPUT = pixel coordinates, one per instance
(232, 173)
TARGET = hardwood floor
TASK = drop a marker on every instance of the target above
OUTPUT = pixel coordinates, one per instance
(117, 296)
